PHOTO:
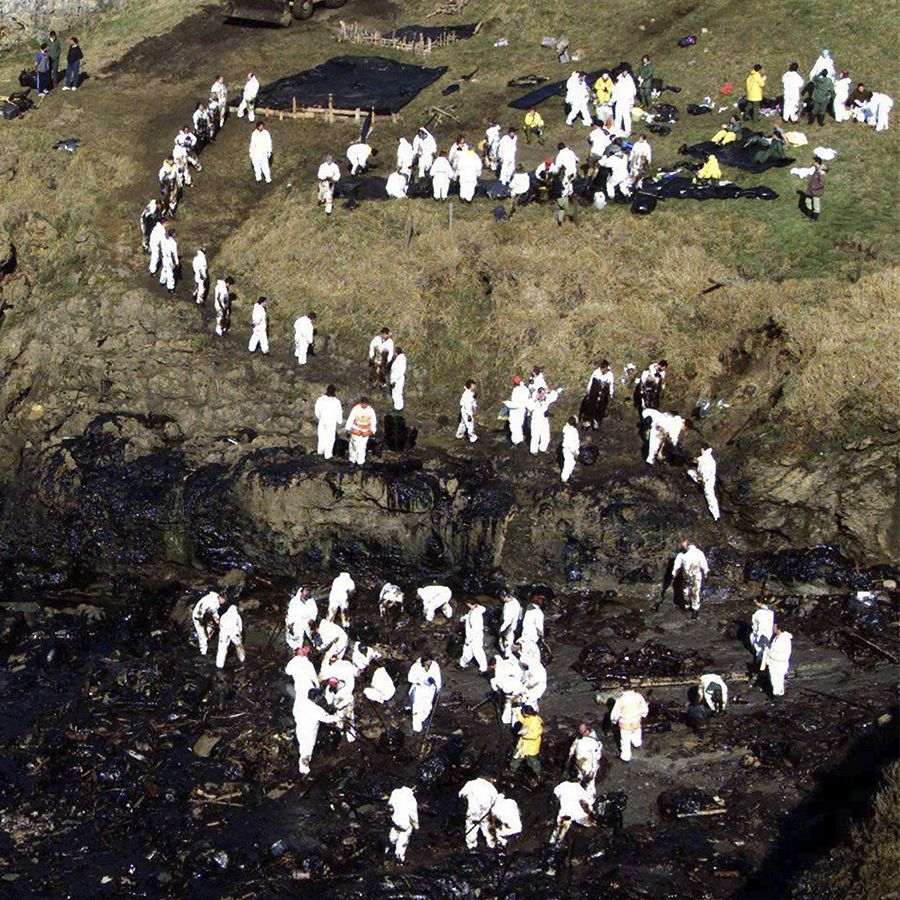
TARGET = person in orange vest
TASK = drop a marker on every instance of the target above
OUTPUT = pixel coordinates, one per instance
(361, 424)
(628, 712)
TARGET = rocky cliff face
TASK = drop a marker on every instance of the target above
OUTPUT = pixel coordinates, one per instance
(39, 15)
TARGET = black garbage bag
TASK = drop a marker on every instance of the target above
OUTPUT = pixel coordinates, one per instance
(363, 82)
(28, 79)
(588, 456)
(698, 109)
(735, 154)
(642, 204)
(661, 130)
(666, 112)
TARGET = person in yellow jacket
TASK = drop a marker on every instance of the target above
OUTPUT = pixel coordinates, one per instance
(529, 727)
(709, 170)
(756, 81)
(728, 133)
(534, 124)
(603, 88)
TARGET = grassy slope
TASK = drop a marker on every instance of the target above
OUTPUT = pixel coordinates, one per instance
(486, 299)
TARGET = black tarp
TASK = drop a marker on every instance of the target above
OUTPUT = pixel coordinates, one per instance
(363, 82)
(432, 32)
(735, 154)
(546, 91)
(678, 187)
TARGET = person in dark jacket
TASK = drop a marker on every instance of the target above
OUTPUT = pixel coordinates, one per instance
(815, 190)
(42, 69)
(645, 79)
(54, 49)
(73, 65)
(822, 97)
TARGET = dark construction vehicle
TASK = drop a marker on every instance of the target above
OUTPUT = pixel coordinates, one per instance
(276, 12)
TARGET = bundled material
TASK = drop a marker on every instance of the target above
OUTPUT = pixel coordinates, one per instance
(736, 154)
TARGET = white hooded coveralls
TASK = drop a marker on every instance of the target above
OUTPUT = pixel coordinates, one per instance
(468, 406)
(517, 406)
(222, 303)
(340, 697)
(705, 474)
(259, 337)
(480, 796)
(157, 235)
(328, 176)
(424, 148)
(404, 157)
(791, 85)
(665, 428)
(468, 169)
(200, 275)
(260, 154)
(435, 597)
(358, 157)
(473, 648)
(761, 625)
(308, 715)
(389, 596)
(508, 680)
(248, 99)
(587, 751)
(168, 251)
(571, 443)
(404, 819)
(706, 683)
(381, 688)
(329, 416)
(506, 820)
(572, 799)
(532, 625)
(231, 630)
(441, 174)
(777, 658)
(304, 335)
(512, 612)
(579, 99)
(339, 597)
(362, 423)
(506, 153)
(425, 685)
(333, 639)
(205, 618)
(623, 94)
(398, 380)
(618, 174)
(301, 613)
(540, 425)
(692, 562)
(303, 673)
(629, 709)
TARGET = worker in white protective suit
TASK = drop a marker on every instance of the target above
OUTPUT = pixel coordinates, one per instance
(222, 304)
(691, 562)
(520, 185)
(468, 170)
(539, 407)
(259, 337)
(586, 752)
(777, 659)
(206, 618)
(329, 417)
(509, 621)
(598, 141)
(534, 681)
(304, 335)
(824, 62)
(397, 379)
(878, 111)
(473, 647)
(404, 819)
(492, 143)
(571, 444)
(762, 625)
(480, 796)
(339, 597)
(508, 681)
(154, 244)
(404, 157)
(362, 423)
(390, 597)
(358, 156)
(652, 383)
(339, 696)
(629, 710)
(506, 821)
(640, 157)
(566, 162)
(579, 100)
(424, 148)
(517, 407)
(623, 96)
(231, 632)
(618, 177)
(792, 85)
(441, 175)
(397, 186)
(261, 152)
(308, 715)
(201, 275)
(330, 639)
(248, 98)
(435, 597)
(575, 805)
(302, 611)
(468, 410)
(381, 355)
(168, 255)
(361, 655)
(842, 87)
(714, 692)
(425, 683)
(219, 93)
(506, 154)
(704, 474)
(665, 430)
(381, 688)
(301, 670)
(533, 621)
(327, 177)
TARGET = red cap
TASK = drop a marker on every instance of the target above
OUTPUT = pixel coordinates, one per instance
(332, 681)
(548, 162)
(517, 379)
